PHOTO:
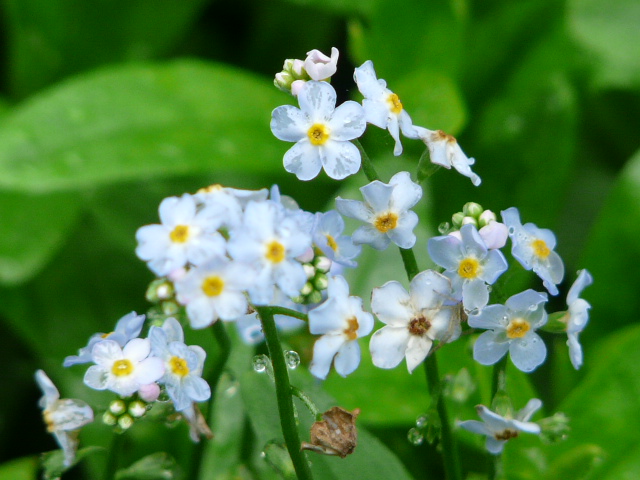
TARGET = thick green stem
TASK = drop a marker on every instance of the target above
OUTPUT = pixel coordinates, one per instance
(275, 310)
(224, 344)
(283, 394)
(115, 450)
(409, 261)
(449, 447)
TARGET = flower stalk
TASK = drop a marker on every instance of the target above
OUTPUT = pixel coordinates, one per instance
(283, 394)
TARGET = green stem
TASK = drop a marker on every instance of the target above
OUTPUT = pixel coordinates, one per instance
(114, 453)
(449, 447)
(224, 345)
(409, 261)
(283, 394)
(317, 414)
(275, 310)
(367, 165)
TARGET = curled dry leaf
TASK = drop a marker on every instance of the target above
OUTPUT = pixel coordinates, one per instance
(336, 434)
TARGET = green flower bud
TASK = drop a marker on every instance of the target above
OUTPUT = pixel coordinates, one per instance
(117, 407)
(109, 419)
(125, 422)
(554, 429)
(471, 220)
(472, 209)
(137, 408)
(160, 289)
(456, 219)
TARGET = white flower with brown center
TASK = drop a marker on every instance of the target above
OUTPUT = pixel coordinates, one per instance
(341, 321)
(499, 429)
(187, 235)
(511, 327)
(414, 320)
(321, 133)
(385, 212)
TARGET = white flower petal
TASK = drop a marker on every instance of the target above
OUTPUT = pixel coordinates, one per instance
(353, 209)
(347, 121)
(324, 350)
(406, 193)
(491, 317)
(388, 346)
(96, 377)
(417, 350)
(348, 358)
(475, 294)
(317, 100)
(391, 305)
(137, 349)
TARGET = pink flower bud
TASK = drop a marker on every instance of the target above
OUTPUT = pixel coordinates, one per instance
(150, 392)
(319, 66)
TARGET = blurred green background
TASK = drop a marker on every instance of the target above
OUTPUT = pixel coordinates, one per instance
(108, 106)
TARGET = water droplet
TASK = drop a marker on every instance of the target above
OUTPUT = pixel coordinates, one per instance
(533, 307)
(415, 436)
(512, 230)
(292, 359)
(443, 228)
(489, 288)
(505, 318)
(421, 421)
(260, 363)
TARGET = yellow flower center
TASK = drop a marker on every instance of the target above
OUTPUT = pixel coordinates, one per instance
(318, 134)
(394, 102)
(332, 243)
(213, 286)
(518, 328)
(540, 248)
(122, 367)
(275, 252)
(180, 234)
(469, 268)
(216, 187)
(352, 328)
(179, 366)
(386, 221)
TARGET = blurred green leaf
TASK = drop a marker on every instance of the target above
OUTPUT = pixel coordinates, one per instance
(363, 7)
(51, 39)
(142, 121)
(524, 140)
(157, 466)
(612, 255)
(53, 462)
(604, 407)
(609, 30)
(34, 228)
(25, 468)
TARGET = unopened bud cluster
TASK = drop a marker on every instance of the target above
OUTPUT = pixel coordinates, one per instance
(123, 412)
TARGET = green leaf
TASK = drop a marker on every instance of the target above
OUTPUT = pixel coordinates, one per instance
(53, 462)
(157, 466)
(34, 228)
(25, 468)
(52, 39)
(602, 412)
(609, 30)
(610, 255)
(142, 121)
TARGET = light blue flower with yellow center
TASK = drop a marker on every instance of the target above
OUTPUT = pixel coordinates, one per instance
(469, 264)
(183, 366)
(533, 248)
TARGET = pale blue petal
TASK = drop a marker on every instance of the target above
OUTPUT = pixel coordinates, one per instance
(406, 193)
(489, 348)
(495, 264)
(317, 100)
(584, 280)
(370, 235)
(391, 304)
(377, 195)
(529, 300)
(529, 409)
(429, 289)
(491, 317)
(347, 122)
(472, 241)
(528, 353)
(303, 160)
(289, 123)
(376, 113)
(475, 294)
(403, 235)
(340, 159)
(353, 209)
(474, 426)
(445, 251)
